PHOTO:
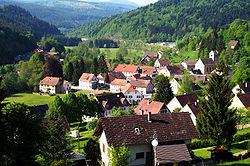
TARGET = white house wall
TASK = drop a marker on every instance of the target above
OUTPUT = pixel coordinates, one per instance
(173, 104)
(138, 149)
(187, 109)
(104, 155)
(200, 66)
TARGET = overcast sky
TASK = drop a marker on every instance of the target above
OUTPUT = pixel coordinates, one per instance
(143, 2)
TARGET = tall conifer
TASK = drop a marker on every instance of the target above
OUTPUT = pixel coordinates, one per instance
(215, 120)
(164, 92)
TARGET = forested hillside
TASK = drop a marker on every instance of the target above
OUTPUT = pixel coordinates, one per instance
(20, 20)
(168, 20)
(13, 43)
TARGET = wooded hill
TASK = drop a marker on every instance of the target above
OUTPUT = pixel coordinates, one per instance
(20, 20)
(167, 20)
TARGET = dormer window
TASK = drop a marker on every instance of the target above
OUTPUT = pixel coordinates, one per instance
(137, 131)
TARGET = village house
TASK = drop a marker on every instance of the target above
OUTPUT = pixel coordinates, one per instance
(180, 101)
(214, 55)
(146, 106)
(168, 133)
(88, 81)
(131, 94)
(233, 44)
(205, 65)
(241, 88)
(192, 109)
(161, 62)
(241, 101)
(147, 56)
(127, 70)
(112, 76)
(109, 101)
(171, 70)
(175, 84)
(143, 86)
(117, 84)
(54, 85)
(188, 64)
(148, 71)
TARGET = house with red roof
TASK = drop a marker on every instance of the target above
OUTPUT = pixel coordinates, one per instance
(157, 139)
(127, 70)
(241, 101)
(148, 71)
(181, 100)
(112, 76)
(143, 86)
(192, 109)
(54, 85)
(131, 94)
(146, 106)
(88, 81)
(117, 84)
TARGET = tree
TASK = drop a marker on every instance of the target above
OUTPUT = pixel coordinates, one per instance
(57, 143)
(53, 68)
(92, 151)
(215, 120)
(164, 92)
(37, 57)
(119, 112)
(221, 67)
(94, 67)
(68, 71)
(21, 136)
(102, 65)
(10, 83)
(119, 155)
(240, 76)
(92, 124)
(48, 43)
(187, 84)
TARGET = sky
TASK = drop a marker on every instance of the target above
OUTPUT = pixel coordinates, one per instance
(143, 2)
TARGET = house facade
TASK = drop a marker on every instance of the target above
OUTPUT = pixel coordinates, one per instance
(54, 85)
(109, 101)
(175, 85)
(131, 94)
(181, 100)
(88, 81)
(148, 71)
(171, 70)
(241, 101)
(117, 84)
(112, 76)
(143, 86)
(161, 62)
(192, 109)
(241, 88)
(138, 131)
(205, 65)
(188, 64)
(214, 55)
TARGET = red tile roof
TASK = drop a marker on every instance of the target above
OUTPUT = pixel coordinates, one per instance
(125, 68)
(187, 99)
(245, 99)
(87, 77)
(119, 82)
(51, 81)
(108, 64)
(150, 54)
(128, 88)
(147, 70)
(140, 83)
(149, 106)
(168, 127)
(174, 153)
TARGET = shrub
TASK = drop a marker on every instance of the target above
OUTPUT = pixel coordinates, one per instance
(91, 125)
(241, 137)
(197, 144)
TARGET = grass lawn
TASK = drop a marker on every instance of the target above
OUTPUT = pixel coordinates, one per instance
(236, 147)
(237, 163)
(181, 56)
(34, 99)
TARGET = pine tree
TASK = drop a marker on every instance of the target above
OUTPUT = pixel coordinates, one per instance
(164, 92)
(106, 78)
(221, 67)
(215, 120)
(77, 73)
(102, 65)
(68, 71)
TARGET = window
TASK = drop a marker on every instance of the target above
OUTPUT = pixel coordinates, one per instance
(140, 155)
(103, 148)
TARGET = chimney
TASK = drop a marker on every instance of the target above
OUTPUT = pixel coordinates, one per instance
(149, 117)
(195, 103)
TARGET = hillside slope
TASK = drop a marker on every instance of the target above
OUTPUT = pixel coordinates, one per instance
(19, 19)
(167, 20)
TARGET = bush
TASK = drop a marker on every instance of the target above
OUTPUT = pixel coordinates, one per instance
(197, 144)
(91, 125)
(241, 137)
